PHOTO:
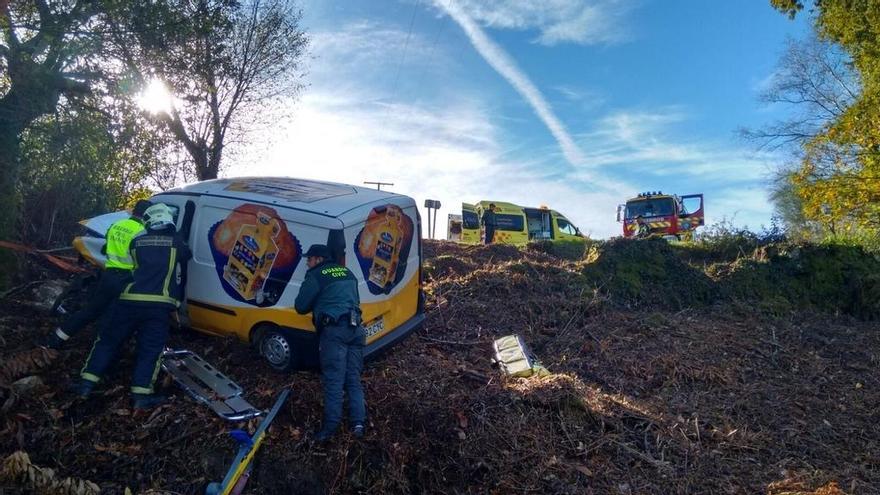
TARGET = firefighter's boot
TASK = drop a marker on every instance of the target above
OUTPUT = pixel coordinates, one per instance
(52, 341)
(82, 389)
(147, 401)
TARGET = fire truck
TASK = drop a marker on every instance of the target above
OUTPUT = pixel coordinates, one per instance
(654, 214)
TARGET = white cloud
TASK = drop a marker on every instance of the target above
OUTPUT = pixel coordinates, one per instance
(452, 146)
(648, 149)
(744, 207)
(627, 138)
(450, 153)
(507, 68)
(557, 21)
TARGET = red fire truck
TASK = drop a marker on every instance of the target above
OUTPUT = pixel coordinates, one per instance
(654, 214)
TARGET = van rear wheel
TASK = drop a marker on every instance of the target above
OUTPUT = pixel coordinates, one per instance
(277, 349)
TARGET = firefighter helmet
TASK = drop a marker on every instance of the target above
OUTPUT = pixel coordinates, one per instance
(159, 217)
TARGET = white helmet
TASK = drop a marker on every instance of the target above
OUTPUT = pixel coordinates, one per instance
(158, 217)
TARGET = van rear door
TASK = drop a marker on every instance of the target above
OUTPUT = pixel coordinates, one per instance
(470, 224)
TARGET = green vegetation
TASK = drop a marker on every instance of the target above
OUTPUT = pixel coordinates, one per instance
(569, 250)
(77, 135)
(762, 270)
(832, 83)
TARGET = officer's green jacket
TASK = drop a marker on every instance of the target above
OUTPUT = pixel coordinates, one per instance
(329, 289)
(119, 237)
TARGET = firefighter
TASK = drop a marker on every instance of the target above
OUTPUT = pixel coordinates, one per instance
(330, 293)
(489, 223)
(114, 278)
(144, 308)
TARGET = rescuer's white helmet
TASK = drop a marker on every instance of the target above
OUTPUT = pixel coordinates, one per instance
(159, 217)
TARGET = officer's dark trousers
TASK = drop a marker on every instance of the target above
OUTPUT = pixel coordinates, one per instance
(151, 324)
(490, 235)
(342, 359)
(111, 283)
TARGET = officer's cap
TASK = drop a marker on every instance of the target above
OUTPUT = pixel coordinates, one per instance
(319, 250)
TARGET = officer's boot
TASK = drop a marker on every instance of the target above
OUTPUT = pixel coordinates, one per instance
(147, 401)
(358, 430)
(325, 433)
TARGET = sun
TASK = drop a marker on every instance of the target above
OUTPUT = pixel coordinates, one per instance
(156, 98)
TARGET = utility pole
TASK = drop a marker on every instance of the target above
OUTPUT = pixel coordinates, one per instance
(379, 184)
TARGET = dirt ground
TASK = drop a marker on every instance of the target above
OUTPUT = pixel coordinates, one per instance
(719, 398)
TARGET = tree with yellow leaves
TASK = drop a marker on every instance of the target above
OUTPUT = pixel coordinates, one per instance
(838, 180)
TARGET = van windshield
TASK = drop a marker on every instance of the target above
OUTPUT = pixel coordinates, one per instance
(650, 208)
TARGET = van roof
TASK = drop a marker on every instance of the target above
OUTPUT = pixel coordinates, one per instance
(324, 198)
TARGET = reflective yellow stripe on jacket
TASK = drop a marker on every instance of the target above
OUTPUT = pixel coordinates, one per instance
(164, 297)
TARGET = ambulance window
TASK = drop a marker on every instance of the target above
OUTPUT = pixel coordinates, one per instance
(469, 220)
(513, 223)
(565, 227)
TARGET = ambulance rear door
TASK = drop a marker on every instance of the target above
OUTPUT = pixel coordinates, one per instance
(470, 224)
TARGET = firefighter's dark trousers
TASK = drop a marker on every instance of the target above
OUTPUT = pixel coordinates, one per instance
(342, 359)
(150, 322)
(110, 285)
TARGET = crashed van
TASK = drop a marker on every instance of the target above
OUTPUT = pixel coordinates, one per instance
(248, 236)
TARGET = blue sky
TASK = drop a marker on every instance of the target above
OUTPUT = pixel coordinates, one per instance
(574, 104)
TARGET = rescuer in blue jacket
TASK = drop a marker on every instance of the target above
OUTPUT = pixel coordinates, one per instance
(330, 293)
(115, 276)
(144, 307)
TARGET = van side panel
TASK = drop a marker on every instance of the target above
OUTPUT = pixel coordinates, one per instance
(247, 266)
(232, 288)
(383, 253)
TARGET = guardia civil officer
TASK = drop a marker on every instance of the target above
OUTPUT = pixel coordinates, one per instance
(115, 276)
(144, 308)
(330, 292)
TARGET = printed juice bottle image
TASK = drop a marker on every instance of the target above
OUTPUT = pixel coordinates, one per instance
(387, 253)
(252, 256)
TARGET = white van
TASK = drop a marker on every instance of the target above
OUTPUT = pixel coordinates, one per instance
(248, 236)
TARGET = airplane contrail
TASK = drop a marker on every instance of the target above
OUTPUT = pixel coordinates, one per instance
(507, 68)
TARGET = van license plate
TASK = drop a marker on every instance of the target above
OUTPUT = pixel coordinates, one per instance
(374, 327)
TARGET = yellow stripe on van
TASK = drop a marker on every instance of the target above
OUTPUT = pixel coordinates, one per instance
(395, 311)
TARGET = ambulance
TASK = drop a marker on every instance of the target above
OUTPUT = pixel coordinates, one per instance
(248, 236)
(514, 224)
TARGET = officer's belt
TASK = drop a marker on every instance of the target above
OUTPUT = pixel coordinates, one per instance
(341, 320)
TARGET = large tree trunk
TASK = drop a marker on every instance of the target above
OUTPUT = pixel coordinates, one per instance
(213, 167)
(9, 172)
(34, 92)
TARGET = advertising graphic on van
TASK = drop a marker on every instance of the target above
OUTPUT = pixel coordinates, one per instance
(382, 247)
(289, 190)
(254, 254)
